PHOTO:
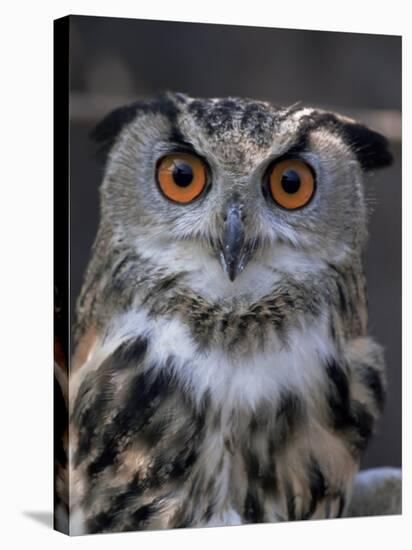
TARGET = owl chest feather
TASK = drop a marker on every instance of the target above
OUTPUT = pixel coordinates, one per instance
(192, 411)
(210, 415)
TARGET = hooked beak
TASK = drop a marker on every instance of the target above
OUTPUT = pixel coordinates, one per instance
(233, 253)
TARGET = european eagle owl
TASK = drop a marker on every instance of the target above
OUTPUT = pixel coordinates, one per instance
(223, 373)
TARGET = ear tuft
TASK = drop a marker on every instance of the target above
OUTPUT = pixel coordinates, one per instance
(370, 147)
(107, 130)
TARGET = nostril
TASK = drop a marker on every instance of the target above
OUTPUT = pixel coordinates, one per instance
(233, 210)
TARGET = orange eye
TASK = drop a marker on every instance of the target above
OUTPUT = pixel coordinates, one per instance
(291, 183)
(181, 177)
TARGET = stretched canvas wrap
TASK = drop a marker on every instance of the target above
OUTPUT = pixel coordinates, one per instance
(227, 275)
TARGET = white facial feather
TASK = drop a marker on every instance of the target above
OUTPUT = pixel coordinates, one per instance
(204, 274)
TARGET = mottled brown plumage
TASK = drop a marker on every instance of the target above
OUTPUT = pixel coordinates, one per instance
(197, 399)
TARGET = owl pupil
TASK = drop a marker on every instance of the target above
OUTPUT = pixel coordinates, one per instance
(182, 174)
(290, 181)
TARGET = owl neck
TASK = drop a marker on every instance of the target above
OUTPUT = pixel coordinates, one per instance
(120, 278)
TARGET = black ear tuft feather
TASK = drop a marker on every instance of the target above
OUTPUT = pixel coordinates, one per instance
(107, 130)
(371, 148)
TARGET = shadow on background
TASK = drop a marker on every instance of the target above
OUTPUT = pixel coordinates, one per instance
(42, 518)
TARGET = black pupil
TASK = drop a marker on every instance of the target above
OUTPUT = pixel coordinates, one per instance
(290, 181)
(182, 174)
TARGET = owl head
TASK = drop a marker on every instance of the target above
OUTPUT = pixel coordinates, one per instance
(235, 188)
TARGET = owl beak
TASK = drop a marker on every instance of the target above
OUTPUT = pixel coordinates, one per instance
(233, 255)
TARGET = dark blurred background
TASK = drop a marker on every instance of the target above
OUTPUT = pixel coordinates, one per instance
(115, 61)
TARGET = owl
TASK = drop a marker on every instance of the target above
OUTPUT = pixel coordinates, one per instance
(223, 373)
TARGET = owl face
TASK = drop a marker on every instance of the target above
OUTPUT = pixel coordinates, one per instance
(236, 185)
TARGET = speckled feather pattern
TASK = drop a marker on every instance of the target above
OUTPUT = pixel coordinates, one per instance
(198, 401)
